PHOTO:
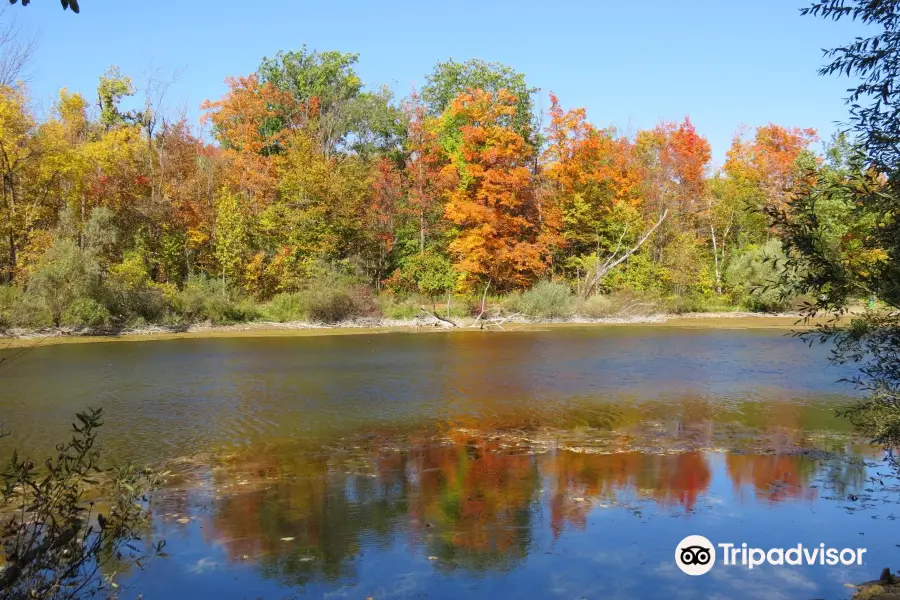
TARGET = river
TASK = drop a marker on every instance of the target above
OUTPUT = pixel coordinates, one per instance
(562, 463)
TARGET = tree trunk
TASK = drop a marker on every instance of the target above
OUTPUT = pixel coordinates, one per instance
(9, 200)
(591, 280)
(422, 231)
(712, 231)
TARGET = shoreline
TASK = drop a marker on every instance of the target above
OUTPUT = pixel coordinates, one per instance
(18, 338)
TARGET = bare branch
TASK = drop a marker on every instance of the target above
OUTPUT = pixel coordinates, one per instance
(616, 251)
(437, 316)
(16, 49)
(610, 264)
(483, 298)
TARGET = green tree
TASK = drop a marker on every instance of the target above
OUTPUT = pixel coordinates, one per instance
(113, 87)
(866, 262)
(67, 281)
(754, 277)
(337, 106)
(450, 79)
(232, 236)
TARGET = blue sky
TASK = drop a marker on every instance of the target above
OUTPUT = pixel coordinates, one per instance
(724, 63)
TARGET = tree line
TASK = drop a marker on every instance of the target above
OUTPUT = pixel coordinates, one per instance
(306, 191)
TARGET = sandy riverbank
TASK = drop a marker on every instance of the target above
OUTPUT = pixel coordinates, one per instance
(18, 338)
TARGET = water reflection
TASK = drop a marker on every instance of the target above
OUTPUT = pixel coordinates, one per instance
(166, 399)
(472, 502)
(534, 464)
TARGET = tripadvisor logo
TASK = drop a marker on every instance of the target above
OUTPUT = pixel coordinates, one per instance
(696, 555)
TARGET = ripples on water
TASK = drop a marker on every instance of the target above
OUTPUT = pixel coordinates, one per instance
(541, 464)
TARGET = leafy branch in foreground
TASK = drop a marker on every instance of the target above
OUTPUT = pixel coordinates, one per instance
(842, 237)
(73, 4)
(68, 528)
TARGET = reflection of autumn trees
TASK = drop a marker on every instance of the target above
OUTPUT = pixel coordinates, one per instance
(324, 513)
(468, 499)
(474, 503)
(773, 478)
(776, 478)
(578, 478)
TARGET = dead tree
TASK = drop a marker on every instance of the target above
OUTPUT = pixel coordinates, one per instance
(593, 278)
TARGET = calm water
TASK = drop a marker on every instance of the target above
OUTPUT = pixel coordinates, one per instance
(566, 463)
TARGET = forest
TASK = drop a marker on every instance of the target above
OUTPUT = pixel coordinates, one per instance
(305, 195)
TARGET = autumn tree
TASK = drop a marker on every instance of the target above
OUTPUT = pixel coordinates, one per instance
(341, 113)
(674, 159)
(380, 218)
(449, 79)
(185, 177)
(594, 180)
(769, 164)
(21, 199)
(253, 123)
(422, 167)
(504, 238)
(422, 231)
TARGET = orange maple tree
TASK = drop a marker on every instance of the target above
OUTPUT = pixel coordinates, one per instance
(591, 173)
(769, 161)
(505, 236)
(254, 123)
(579, 156)
(676, 159)
(422, 171)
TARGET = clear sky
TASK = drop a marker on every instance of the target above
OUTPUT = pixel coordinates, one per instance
(630, 63)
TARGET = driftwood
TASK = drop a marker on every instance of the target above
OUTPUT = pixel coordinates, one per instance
(434, 314)
(499, 321)
(613, 260)
(483, 298)
(449, 300)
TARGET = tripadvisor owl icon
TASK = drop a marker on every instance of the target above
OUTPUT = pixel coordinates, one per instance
(695, 555)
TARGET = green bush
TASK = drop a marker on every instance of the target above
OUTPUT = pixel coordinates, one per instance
(639, 274)
(287, 307)
(395, 308)
(135, 304)
(190, 302)
(10, 300)
(624, 303)
(86, 312)
(547, 300)
(326, 299)
(597, 307)
(754, 278)
(64, 274)
(133, 296)
(332, 306)
(685, 304)
(30, 312)
(333, 303)
(512, 302)
(205, 299)
(428, 273)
